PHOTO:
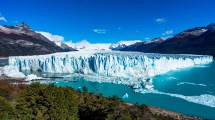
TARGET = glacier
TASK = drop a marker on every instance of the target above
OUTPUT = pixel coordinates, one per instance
(134, 69)
(108, 63)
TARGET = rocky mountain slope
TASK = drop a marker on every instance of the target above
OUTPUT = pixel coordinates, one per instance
(198, 40)
(22, 40)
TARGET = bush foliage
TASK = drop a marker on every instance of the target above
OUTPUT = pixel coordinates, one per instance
(45, 102)
(7, 111)
(49, 102)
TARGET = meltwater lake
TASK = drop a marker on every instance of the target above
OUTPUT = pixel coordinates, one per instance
(190, 90)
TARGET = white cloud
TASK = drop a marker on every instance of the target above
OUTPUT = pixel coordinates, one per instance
(54, 38)
(168, 32)
(160, 20)
(100, 31)
(3, 19)
(84, 45)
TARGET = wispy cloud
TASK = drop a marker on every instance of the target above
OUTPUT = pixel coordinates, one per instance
(100, 31)
(2, 18)
(160, 20)
(168, 32)
(54, 38)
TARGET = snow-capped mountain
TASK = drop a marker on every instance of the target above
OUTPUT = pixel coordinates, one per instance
(198, 40)
(124, 43)
(86, 46)
(22, 40)
(144, 46)
(58, 40)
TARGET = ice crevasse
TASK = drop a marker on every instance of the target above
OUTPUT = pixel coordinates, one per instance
(112, 63)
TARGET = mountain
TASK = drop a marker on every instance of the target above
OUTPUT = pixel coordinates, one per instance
(122, 44)
(22, 40)
(144, 46)
(66, 48)
(58, 40)
(86, 46)
(198, 40)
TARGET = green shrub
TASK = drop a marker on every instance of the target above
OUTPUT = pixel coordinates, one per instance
(6, 110)
(47, 102)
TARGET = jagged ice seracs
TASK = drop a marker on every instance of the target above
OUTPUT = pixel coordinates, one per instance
(108, 63)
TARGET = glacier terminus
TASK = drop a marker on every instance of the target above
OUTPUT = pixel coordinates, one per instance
(108, 63)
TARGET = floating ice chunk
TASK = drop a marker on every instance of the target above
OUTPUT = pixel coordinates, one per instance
(204, 99)
(173, 78)
(202, 66)
(136, 86)
(11, 71)
(149, 86)
(125, 96)
(32, 77)
(189, 83)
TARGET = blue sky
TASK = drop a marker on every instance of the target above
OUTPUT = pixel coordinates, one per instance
(106, 21)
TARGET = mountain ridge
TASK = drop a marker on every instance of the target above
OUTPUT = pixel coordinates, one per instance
(22, 40)
(198, 40)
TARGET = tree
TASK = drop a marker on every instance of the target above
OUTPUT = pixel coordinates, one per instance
(62, 102)
(47, 102)
(6, 109)
(30, 102)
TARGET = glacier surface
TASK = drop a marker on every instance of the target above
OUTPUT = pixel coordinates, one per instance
(104, 63)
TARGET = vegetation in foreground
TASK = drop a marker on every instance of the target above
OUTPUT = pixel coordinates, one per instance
(41, 102)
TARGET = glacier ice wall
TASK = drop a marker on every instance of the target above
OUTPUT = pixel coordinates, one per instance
(119, 64)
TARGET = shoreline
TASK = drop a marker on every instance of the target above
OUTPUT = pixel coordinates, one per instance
(4, 57)
(154, 110)
(176, 115)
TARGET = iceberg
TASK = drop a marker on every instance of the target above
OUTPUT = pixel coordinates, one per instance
(108, 63)
(32, 77)
(125, 96)
(11, 71)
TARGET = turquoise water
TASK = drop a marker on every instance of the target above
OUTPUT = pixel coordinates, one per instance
(193, 81)
(3, 62)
